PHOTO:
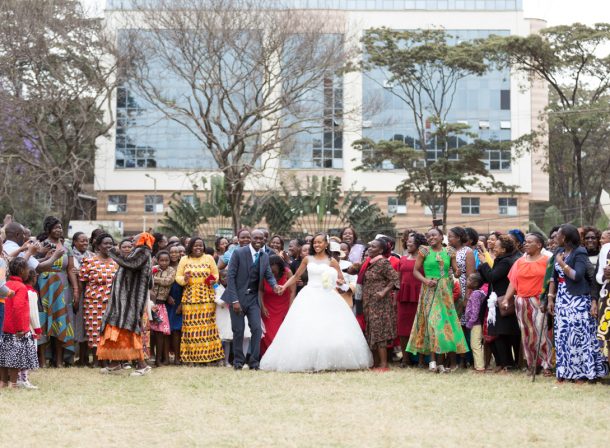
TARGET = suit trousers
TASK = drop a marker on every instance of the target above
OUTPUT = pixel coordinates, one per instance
(250, 308)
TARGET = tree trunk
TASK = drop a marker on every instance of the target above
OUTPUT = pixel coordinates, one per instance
(234, 190)
(580, 179)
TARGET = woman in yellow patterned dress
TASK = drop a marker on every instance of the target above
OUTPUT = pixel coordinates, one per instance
(198, 272)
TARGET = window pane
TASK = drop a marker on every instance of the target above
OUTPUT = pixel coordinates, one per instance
(505, 99)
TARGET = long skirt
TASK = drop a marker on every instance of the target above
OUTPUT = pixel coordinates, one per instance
(118, 344)
(55, 295)
(18, 352)
(437, 328)
(200, 338)
(405, 318)
(530, 322)
(579, 354)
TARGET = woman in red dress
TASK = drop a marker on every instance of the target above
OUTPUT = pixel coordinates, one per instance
(275, 307)
(408, 295)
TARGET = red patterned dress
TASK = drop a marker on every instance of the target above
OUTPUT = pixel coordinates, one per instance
(98, 275)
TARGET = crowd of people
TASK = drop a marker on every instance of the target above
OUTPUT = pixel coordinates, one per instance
(494, 302)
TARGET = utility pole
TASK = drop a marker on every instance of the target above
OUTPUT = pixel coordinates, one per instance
(154, 201)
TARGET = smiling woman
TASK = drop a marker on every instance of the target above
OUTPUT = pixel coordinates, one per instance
(436, 330)
(198, 272)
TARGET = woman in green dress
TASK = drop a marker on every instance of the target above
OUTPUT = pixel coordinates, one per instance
(437, 329)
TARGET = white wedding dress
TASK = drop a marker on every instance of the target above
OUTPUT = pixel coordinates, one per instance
(319, 332)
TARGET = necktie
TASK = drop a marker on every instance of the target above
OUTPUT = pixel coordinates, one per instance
(256, 255)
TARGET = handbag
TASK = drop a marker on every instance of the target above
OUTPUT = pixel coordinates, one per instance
(506, 305)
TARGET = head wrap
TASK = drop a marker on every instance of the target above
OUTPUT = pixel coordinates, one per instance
(517, 234)
(146, 239)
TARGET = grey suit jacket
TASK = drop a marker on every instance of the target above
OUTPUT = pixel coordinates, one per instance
(239, 274)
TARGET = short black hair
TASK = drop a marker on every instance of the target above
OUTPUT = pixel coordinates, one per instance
(460, 233)
(76, 236)
(571, 235)
(384, 244)
(353, 231)
(189, 248)
(472, 235)
(218, 240)
(419, 239)
(16, 266)
(48, 224)
(538, 236)
(162, 252)
(477, 278)
(101, 237)
(276, 260)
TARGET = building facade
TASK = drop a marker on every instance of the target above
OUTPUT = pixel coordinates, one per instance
(148, 157)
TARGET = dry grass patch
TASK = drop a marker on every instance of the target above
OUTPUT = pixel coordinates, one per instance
(222, 408)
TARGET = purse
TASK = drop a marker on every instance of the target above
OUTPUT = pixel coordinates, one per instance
(506, 305)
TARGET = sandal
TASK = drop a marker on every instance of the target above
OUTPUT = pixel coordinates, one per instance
(141, 372)
(111, 370)
(547, 373)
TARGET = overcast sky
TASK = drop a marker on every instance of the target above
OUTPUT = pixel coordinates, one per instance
(555, 12)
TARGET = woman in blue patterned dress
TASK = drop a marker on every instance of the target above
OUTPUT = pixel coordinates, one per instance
(56, 287)
(579, 355)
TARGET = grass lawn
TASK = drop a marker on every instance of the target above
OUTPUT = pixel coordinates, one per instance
(215, 406)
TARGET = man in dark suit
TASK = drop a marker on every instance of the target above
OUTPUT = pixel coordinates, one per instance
(247, 268)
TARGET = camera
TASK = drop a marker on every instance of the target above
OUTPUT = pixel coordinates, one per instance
(437, 222)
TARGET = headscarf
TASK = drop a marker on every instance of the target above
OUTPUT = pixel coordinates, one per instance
(146, 239)
(518, 234)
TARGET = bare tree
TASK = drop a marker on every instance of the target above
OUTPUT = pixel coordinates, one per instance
(253, 74)
(55, 82)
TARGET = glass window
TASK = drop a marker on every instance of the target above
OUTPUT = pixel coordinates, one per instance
(504, 99)
(396, 206)
(439, 210)
(497, 160)
(153, 203)
(471, 206)
(507, 206)
(117, 203)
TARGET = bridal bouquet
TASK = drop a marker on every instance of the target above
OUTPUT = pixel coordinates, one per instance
(326, 284)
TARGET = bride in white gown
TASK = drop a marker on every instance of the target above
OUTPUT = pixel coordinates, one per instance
(319, 332)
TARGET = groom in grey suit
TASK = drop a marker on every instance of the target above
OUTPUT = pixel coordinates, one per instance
(247, 268)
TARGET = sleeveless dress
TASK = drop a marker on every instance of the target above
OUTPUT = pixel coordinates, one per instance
(437, 328)
(319, 332)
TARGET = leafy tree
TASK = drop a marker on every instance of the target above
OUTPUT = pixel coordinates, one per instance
(55, 83)
(575, 63)
(423, 69)
(249, 69)
(319, 205)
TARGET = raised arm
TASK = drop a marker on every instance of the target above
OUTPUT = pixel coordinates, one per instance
(135, 260)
